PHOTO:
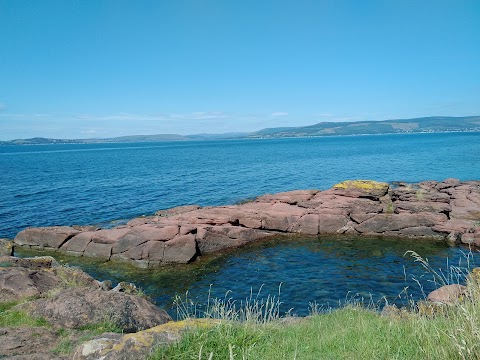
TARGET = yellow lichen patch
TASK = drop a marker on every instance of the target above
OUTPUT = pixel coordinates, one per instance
(174, 328)
(365, 185)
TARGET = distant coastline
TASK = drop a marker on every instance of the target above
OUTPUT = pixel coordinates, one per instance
(434, 124)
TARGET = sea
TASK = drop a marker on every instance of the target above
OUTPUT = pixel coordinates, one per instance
(108, 184)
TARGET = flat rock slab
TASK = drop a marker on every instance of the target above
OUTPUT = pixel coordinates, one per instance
(28, 343)
(447, 210)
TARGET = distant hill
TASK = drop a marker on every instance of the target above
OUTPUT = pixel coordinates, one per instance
(417, 125)
(121, 139)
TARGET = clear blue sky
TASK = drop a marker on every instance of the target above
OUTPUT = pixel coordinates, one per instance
(75, 69)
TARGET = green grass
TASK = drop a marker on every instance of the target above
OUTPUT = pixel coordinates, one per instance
(18, 318)
(99, 328)
(348, 333)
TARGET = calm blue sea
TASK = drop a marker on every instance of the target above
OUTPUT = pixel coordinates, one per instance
(100, 183)
(108, 183)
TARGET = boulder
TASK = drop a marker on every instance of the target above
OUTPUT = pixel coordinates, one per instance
(182, 249)
(78, 243)
(78, 307)
(6, 247)
(99, 250)
(45, 237)
(448, 294)
(143, 233)
(214, 238)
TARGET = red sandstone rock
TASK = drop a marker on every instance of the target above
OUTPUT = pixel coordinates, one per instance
(143, 233)
(422, 206)
(179, 234)
(289, 197)
(448, 294)
(381, 223)
(182, 249)
(98, 250)
(177, 210)
(331, 223)
(307, 224)
(47, 237)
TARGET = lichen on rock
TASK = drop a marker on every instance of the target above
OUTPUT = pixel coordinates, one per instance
(369, 188)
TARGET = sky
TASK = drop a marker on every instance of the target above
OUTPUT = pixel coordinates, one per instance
(105, 68)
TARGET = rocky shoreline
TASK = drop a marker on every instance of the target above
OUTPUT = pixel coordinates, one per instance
(44, 305)
(448, 210)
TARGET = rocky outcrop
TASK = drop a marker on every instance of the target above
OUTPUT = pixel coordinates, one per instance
(447, 210)
(77, 307)
(64, 301)
(34, 277)
(29, 344)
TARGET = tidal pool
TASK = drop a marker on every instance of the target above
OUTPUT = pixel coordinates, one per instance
(298, 271)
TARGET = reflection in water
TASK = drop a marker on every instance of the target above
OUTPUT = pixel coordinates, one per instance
(325, 270)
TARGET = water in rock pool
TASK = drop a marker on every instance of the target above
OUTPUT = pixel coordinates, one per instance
(108, 183)
(299, 271)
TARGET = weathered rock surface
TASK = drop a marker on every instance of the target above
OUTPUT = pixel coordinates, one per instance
(28, 343)
(447, 210)
(6, 247)
(78, 307)
(139, 345)
(29, 277)
(447, 294)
